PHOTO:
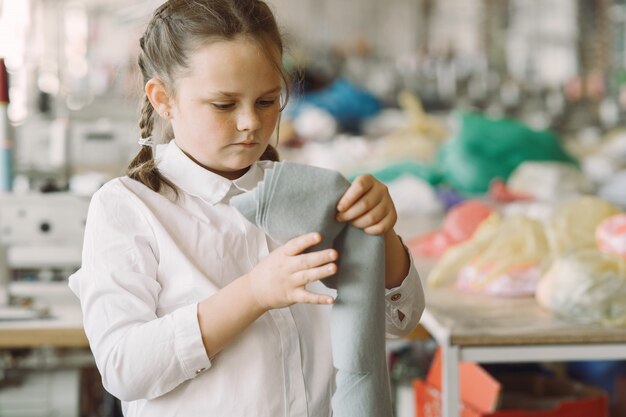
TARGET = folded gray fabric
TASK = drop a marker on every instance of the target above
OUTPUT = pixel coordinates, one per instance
(296, 199)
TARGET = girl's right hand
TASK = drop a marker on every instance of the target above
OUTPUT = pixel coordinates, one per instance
(279, 280)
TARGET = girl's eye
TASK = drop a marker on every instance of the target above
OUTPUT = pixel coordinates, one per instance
(266, 103)
(223, 106)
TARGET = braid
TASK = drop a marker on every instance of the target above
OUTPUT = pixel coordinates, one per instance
(146, 123)
(143, 168)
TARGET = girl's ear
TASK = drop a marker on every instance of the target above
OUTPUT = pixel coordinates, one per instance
(156, 93)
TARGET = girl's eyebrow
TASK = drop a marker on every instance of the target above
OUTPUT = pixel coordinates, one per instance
(229, 94)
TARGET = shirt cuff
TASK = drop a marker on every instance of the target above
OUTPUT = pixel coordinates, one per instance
(407, 298)
(188, 344)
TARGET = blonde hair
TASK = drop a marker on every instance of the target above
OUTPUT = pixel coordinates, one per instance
(177, 28)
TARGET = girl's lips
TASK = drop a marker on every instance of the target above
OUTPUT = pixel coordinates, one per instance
(246, 144)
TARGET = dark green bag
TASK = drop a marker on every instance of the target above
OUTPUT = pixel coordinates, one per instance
(486, 148)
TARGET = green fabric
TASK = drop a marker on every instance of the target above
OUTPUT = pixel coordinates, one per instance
(486, 148)
(392, 171)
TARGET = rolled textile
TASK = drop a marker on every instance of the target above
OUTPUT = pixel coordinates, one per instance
(296, 199)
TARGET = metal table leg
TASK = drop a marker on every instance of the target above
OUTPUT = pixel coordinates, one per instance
(450, 391)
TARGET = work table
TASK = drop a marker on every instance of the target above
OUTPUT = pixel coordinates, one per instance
(64, 327)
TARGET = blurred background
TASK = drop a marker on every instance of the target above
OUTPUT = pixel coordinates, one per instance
(555, 64)
(416, 92)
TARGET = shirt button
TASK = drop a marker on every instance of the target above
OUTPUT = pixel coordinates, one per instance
(199, 371)
(396, 297)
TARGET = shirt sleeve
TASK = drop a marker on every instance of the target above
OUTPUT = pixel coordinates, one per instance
(138, 354)
(408, 298)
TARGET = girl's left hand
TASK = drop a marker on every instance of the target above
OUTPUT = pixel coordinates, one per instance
(366, 204)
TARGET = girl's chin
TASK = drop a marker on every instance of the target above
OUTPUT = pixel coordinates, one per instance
(233, 171)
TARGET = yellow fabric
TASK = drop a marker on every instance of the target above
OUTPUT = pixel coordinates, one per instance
(498, 246)
(421, 137)
(519, 243)
(460, 255)
(573, 225)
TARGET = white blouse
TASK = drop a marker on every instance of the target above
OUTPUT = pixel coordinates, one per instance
(147, 262)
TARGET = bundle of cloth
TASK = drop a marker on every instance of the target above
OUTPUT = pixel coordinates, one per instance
(458, 225)
(586, 281)
(485, 149)
(516, 255)
(284, 208)
(504, 257)
(419, 139)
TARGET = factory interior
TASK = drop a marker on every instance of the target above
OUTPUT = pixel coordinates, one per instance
(496, 127)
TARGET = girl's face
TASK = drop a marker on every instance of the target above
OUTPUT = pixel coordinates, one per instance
(227, 106)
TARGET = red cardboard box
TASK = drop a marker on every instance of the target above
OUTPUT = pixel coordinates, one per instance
(519, 395)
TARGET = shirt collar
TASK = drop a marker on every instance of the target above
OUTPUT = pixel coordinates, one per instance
(195, 180)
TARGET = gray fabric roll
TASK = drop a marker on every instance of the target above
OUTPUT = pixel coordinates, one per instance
(296, 199)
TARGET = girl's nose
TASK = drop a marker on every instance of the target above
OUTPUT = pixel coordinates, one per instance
(248, 120)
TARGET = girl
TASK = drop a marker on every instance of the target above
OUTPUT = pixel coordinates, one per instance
(189, 309)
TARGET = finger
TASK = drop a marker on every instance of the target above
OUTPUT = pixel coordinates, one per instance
(362, 206)
(383, 226)
(358, 188)
(299, 244)
(314, 259)
(314, 274)
(307, 297)
(372, 217)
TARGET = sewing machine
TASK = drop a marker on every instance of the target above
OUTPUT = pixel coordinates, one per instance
(40, 241)
(42, 345)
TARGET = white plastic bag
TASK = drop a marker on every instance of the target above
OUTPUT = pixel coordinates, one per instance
(586, 286)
